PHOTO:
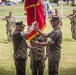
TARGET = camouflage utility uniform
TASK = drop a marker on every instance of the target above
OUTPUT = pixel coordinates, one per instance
(37, 63)
(74, 27)
(20, 52)
(9, 26)
(54, 52)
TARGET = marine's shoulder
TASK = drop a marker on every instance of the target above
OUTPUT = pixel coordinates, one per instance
(16, 32)
(58, 30)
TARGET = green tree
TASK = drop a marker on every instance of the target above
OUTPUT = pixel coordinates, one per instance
(51, 0)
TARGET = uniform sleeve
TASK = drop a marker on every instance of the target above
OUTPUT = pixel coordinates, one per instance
(17, 38)
(6, 18)
(22, 33)
(50, 33)
(53, 37)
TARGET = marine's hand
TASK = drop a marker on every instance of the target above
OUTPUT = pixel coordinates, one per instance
(35, 23)
(36, 42)
(36, 28)
(35, 48)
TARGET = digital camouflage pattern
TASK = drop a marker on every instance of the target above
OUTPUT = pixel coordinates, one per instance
(73, 27)
(37, 67)
(37, 62)
(20, 65)
(54, 52)
(40, 54)
(20, 52)
(20, 46)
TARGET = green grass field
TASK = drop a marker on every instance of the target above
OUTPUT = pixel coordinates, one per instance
(68, 57)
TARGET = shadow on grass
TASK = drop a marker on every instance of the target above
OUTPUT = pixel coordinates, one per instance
(62, 71)
(68, 39)
(6, 72)
(69, 71)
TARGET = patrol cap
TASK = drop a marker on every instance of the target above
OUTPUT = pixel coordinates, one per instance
(74, 10)
(55, 18)
(20, 24)
(10, 12)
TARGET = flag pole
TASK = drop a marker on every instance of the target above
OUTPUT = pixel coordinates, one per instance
(35, 19)
(35, 13)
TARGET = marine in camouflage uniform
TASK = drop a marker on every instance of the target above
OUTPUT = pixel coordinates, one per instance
(37, 62)
(54, 43)
(72, 18)
(54, 52)
(74, 26)
(10, 25)
(20, 48)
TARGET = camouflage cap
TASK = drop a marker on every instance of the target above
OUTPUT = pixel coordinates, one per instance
(20, 24)
(55, 18)
(10, 12)
(74, 10)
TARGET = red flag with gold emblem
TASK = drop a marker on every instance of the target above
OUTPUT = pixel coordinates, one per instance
(35, 12)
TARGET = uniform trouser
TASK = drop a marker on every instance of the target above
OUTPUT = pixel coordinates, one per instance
(20, 67)
(37, 67)
(53, 67)
(9, 33)
(73, 31)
